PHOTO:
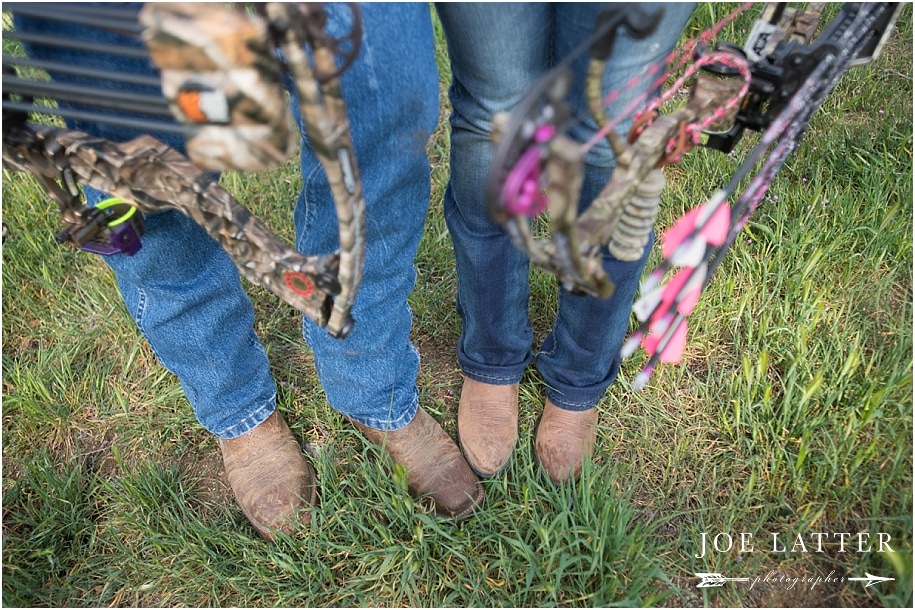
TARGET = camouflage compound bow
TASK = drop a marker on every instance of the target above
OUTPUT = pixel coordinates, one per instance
(773, 84)
(222, 77)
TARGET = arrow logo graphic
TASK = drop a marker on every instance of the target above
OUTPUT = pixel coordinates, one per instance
(714, 579)
(871, 579)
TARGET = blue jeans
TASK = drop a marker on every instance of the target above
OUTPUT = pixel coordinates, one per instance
(497, 52)
(185, 294)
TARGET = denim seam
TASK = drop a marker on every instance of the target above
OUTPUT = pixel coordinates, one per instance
(551, 352)
(307, 187)
(482, 378)
(141, 307)
(250, 422)
(139, 314)
(571, 406)
(389, 425)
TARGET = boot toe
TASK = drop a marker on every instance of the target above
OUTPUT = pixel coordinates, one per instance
(488, 425)
(564, 440)
(282, 506)
(273, 482)
(434, 464)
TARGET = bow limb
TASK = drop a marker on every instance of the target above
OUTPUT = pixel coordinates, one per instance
(594, 97)
(325, 120)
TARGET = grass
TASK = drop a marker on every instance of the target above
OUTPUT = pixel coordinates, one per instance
(791, 414)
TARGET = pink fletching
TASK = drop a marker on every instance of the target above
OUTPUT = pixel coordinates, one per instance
(648, 304)
(690, 253)
(673, 351)
(631, 344)
(650, 343)
(688, 301)
(656, 331)
(692, 289)
(675, 285)
(675, 235)
(716, 229)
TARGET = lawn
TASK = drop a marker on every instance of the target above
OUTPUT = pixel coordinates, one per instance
(788, 423)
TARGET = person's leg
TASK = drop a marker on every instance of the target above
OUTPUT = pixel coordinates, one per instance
(497, 52)
(391, 94)
(580, 358)
(185, 295)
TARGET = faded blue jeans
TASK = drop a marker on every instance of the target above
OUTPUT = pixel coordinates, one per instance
(185, 294)
(497, 52)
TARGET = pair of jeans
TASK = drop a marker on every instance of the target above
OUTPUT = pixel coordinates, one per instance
(497, 52)
(185, 294)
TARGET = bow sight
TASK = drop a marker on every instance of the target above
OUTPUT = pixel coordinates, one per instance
(782, 53)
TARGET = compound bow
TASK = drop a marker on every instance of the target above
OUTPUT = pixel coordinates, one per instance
(773, 84)
(222, 78)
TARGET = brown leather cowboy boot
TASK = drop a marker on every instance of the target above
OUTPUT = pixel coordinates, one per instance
(434, 465)
(565, 439)
(273, 482)
(487, 425)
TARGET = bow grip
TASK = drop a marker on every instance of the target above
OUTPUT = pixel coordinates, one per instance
(638, 22)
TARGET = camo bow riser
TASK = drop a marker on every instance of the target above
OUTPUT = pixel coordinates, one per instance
(170, 181)
(622, 216)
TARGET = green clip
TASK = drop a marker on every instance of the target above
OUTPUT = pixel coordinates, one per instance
(113, 201)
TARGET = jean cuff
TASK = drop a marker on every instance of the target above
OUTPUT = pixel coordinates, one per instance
(565, 404)
(389, 425)
(492, 379)
(249, 423)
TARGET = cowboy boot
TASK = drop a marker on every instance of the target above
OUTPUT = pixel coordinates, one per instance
(487, 425)
(434, 465)
(273, 482)
(565, 439)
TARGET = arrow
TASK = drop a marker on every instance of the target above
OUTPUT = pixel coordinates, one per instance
(662, 309)
(714, 579)
(708, 223)
(871, 579)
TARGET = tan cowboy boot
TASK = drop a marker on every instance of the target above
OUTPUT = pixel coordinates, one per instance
(273, 482)
(565, 439)
(434, 465)
(487, 425)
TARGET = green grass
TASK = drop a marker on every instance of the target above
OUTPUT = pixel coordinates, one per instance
(791, 413)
